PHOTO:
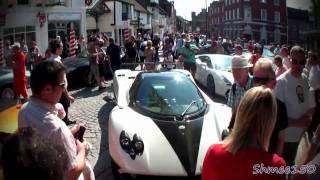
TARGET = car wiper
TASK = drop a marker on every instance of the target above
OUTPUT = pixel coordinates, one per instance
(187, 109)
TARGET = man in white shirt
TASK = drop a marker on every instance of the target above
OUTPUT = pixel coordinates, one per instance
(47, 85)
(56, 48)
(292, 88)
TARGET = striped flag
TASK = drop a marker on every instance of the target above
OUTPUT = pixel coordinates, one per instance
(72, 44)
(126, 35)
(1, 54)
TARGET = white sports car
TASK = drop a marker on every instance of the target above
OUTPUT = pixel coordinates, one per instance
(163, 124)
(214, 73)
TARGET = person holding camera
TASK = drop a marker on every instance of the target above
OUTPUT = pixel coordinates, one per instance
(187, 53)
(47, 85)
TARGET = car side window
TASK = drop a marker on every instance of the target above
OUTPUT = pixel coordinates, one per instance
(203, 59)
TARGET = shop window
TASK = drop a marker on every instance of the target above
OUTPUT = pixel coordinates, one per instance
(18, 34)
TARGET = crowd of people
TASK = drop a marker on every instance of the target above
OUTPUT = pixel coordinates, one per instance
(274, 104)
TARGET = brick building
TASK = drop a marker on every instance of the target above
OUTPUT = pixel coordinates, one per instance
(264, 21)
(198, 22)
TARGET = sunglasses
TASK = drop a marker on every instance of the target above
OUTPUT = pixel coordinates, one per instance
(295, 61)
(262, 80)
(62, 85)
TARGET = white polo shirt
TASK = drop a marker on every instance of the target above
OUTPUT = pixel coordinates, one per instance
(43, 117)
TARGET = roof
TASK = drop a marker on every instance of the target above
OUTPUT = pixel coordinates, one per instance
(139, 7)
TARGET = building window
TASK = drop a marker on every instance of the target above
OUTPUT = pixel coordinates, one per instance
(226, 15)
(23, 2)
(17, 34)
(126, 11)
(276, 2)
(233, 14)
(238, 13)
(148, 18)
(263, 14)
(263, 1)
(247, 14)
(238, 1)
(230, 15)
(277, 17)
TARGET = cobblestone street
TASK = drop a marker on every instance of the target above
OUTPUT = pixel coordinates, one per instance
(92, 108)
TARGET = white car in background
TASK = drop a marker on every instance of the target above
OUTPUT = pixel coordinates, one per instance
(214, 73)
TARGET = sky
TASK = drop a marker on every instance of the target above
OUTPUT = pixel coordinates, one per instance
(185, 7)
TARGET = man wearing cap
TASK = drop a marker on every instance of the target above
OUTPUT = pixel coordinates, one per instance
(18, 60)
(242, 82)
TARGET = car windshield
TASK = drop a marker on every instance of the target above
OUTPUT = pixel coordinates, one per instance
(162, 94)
(223, 63)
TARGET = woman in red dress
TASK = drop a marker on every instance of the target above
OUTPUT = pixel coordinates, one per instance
(19, 72)
(243, 155)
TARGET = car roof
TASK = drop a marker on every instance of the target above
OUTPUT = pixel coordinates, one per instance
(214, 55)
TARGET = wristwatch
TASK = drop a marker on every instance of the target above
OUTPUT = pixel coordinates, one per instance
(315, 141)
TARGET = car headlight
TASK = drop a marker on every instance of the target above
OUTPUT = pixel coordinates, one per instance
(138, 145)
(125, 141)
(226, 81)
(132, 147)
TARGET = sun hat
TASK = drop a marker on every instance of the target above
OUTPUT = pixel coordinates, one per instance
(239, 62)
(16, 45)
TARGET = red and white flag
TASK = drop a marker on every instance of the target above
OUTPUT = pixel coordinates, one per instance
(72, 44)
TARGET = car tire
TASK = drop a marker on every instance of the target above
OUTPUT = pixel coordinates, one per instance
(211, 86)
(6, 92)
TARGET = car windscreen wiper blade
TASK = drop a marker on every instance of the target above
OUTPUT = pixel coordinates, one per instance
(187, 109)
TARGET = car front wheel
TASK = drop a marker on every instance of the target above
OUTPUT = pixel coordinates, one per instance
(211, 86)
(7, 92)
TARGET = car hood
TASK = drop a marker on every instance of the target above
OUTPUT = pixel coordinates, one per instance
(227, 75)
(170, 147)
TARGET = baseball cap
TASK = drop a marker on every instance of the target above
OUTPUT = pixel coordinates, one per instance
(239, 62)
(16, 45)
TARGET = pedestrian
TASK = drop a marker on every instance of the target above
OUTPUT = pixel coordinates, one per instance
(47, 85)
(257, 54)
(263, 74)
(280, 69)
(284, 53)
(56, 48)
(7, 52)
(187, 53)
(149, 53)
(34, 55)
(238, 48)
(94, 62)
(314, 83)
(18, 61)
(242, 82)
(245, 150)
(113, 53)
(102, 61)
(311, 159)
(293, 89)
(130, 51)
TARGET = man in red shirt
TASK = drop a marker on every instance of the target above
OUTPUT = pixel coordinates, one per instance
(19, 72)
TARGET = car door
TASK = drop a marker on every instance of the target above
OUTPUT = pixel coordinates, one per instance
(203, 68)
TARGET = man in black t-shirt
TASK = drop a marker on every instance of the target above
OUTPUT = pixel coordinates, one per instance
(130, 50)
(113, 52)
